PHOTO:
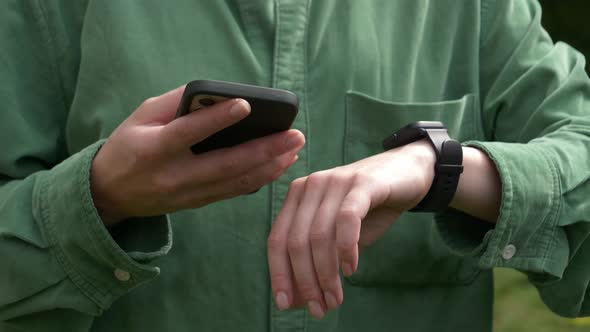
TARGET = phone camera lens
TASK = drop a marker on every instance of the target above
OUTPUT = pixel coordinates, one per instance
(206, 101)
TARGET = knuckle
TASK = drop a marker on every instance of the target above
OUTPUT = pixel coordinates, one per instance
(348, 232)
(325, 280)
(347, 215)
(229, 166)
(148, 102)
(296, 244)
(182, 133)
(144, 154)
(346, 249)
(244, 183)
(364, 178)
(280, 279)
(319, 237)
(296, 185)
(317, 179)
(275, 243)
(307, 290)
(165, 184)
(343, 247)
(339, 178)
(346, 244)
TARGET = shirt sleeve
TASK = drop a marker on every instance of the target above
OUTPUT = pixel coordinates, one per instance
(536, 116)
(60, 265)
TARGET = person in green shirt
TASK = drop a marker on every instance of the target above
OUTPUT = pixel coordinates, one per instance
(97, 178)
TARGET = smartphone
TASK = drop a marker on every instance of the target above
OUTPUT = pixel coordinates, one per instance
(272, 111)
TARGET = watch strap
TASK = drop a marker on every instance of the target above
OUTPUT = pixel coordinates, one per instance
(448, 166)
(447, 171)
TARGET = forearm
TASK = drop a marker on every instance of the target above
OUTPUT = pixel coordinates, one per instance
(479, 190)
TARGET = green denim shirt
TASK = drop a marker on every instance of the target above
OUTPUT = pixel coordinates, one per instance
(71, 71)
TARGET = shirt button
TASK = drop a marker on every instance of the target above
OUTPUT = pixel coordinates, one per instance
(122, 275)
(509, 251)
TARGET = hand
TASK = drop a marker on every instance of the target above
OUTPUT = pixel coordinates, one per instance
(328, 215)
(146, 166)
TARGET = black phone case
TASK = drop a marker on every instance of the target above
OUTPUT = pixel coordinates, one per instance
(273, 110)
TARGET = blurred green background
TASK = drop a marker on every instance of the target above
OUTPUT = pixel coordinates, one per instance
(518, 307)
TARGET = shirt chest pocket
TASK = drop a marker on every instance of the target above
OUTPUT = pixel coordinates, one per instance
(411, 252)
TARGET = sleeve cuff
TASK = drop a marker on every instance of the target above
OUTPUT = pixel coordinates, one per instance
(95, 260)
(526, 236)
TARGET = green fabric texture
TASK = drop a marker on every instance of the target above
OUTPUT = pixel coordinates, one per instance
(70, 72)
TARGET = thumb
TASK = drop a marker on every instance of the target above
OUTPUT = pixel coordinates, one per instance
(159, 110)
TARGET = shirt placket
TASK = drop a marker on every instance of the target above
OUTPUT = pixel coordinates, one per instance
(289, 69)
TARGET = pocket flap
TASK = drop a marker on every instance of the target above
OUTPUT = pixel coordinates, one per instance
(370, 120)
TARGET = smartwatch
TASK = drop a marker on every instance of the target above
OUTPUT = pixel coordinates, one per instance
(449, 161)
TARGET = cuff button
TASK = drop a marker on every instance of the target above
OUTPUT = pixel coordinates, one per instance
(508, 251)
(122, 275)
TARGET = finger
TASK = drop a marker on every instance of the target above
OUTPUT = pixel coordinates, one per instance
(237, 185)
(376, 223)
(229, 162)
(323, 242)
(299, 246)
(161, 109)
(192, 128)
(281, 275)
(353, 210)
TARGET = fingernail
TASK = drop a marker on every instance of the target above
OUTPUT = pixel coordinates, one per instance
(347, 269)
(239, 109)
(330, 300)
(282, 301)
(315, 309)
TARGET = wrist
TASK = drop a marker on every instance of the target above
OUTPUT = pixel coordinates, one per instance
(105, 208)
(440, 162)
(479, 190)
(423, 159)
